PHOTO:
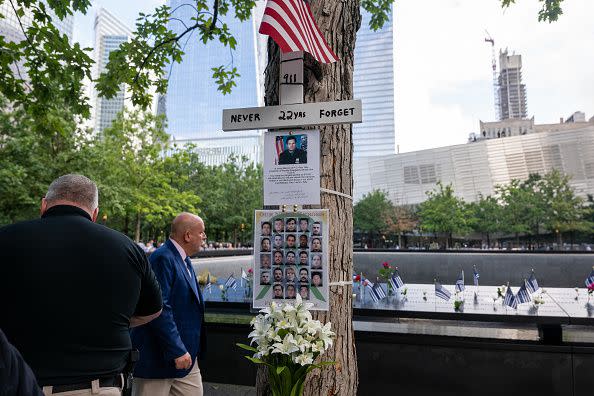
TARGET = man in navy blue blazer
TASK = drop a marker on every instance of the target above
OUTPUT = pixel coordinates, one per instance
(170, 345)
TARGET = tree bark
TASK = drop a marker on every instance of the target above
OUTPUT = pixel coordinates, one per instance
(339, 21)
(137, 233)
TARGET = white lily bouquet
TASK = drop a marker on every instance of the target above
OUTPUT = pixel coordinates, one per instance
(288, 341)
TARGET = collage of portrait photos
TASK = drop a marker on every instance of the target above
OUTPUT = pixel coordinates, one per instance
(291, 258)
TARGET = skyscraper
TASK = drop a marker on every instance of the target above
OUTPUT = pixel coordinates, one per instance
(512, 93)
(109, 34)
(10, 27)
(194, 106)
(374, 84)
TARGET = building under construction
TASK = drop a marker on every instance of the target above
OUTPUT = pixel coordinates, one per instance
(512, 93)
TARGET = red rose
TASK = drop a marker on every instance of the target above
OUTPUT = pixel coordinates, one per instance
(250, 271)
(357, 278)
(591, 288)
(386, 265)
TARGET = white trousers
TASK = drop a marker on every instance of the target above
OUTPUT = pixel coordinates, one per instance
(190, 385)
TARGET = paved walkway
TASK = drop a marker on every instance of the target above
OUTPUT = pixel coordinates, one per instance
(212, 389)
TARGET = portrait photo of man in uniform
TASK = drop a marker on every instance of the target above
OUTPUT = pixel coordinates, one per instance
(278, 258)
(265, 261)
(277, 291)
(265, 278)
(290, 258)
(279, 225)
(294, 152)
(277, 275)
(278, 241)
(266, 227)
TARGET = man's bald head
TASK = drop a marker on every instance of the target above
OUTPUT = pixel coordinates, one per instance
(184, 222)
(187, 230)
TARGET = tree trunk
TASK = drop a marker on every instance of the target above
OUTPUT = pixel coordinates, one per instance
(137, 233)
(127, 224)
(339, 21)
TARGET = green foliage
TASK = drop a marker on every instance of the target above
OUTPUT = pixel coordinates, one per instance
(380, 11)
(485, 215)
(550, 11)
(29, 161)
(564, 211)
(133, 176)
(443, 212)
(370, 214)
(43, 73)
(142, 62)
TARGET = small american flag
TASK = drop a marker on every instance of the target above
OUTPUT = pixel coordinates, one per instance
(396, 280)
(590, 279)
(442, 292)
(460, 282)
(208, 284)
(231, 282)
(510, 299)
(532, 284)
(379, 291)
(291, 25)
(523, 296)
(369, 286)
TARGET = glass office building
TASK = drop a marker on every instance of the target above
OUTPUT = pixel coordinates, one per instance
(109, 34)
(374, 84)
(194, 106)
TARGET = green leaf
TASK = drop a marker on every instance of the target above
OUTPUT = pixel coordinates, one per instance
(257, 361)
(247, 347)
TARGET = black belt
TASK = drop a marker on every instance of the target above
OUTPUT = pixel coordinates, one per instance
(103, 383)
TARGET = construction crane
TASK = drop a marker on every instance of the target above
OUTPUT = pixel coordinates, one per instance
(489, 39)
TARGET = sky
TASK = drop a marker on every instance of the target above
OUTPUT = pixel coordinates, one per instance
(443, 76)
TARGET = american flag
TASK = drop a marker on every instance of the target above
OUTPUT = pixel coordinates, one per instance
(291, 25)
(476, 276)
(460, 282)
(396, 280)
(442, 292)
(369, 286)
(280, 146)
(532, 284)
(208, 284)
(590, 279)
(510, 299)
(523, 296)
(379, 291)
(231, 282)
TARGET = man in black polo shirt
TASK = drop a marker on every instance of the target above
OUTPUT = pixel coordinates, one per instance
(71, 290)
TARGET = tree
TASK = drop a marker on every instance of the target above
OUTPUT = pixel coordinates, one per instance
(29, 161)
(402, 219)
(372, 212)
(129, 168)
(564, 210)
(443, 212)
(486, 216)
(338, 21)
